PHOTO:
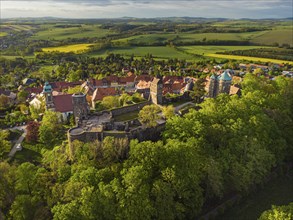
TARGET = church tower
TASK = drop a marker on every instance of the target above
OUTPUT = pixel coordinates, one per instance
(156, 91)
(48, 92)
(225, 82)
(213, 86)
(80, 106)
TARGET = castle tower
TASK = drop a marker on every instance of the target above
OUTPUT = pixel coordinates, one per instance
(80, 106)
(213, 86)
(225, 82)
(156, 91)
(48, 92)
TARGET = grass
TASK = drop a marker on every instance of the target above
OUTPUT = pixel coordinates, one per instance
(3, 34)
(157, 52)
(57, 33)
(126, 117)
(29, 153)
(254, 59)
(17, 27)
(277, 192)
(210, 49)
(280, 36)
(14, 57)
(75, 48)
(187, 37)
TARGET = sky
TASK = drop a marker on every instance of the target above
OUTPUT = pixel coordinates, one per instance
(147, 8)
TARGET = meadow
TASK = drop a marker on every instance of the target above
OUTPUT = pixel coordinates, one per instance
(2, 34)
(254, 59)
(75, 48)
(280, 36)
(162, 52)
(51, 32)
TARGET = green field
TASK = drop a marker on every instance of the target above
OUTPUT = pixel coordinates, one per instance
(157, 52)
(210, 51)
(255, 59)
(17, 27)
(280, 36)
(277, 192)
(75, 48)
(58, 33)
(203, 50)
(3, 34)
(188, 37)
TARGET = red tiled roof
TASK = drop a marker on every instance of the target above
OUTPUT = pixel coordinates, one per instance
(63, 103)
(234, 90)
(144, 78)
(143, 84)
(100, 93)
(59, 86)
(36, 90)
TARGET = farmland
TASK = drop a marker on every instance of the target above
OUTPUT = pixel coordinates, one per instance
(204, 50)
(280, 36)
(2, 34)
(75, 48)
(181, 38)
(162, 52)
(254, 59)
(51, 32)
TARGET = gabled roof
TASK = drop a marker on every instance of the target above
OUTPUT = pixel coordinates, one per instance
(100, 93)
(63, 103)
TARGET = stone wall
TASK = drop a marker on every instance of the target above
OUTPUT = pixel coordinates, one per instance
(130, 108)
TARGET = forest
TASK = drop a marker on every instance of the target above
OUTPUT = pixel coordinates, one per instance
(228, 146)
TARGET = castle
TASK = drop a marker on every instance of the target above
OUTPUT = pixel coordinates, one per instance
(220, 84)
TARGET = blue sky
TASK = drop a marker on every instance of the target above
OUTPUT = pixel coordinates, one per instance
(147, 8)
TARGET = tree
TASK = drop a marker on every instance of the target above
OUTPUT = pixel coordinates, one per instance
(49, 130)
(198, 90)
(148, 115)
(168, 111)
(4, 143)
(7, 179)
(110, 102)
(284, 212)
(22, 96)
(4, 101)
(32, 131)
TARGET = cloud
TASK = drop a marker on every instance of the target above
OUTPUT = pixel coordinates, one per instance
(146, 8)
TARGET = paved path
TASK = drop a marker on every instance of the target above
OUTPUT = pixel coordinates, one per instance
(177, 108)
(19, 141)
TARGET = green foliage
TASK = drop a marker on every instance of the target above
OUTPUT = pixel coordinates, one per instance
(168, 111)
(148, 115)
(50, 128)
(284, 212)
(4, 143)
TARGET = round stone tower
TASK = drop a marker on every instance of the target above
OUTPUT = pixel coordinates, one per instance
(80, 106)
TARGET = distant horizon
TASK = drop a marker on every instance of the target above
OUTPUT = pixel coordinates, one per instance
(113, 9)
(166, 17)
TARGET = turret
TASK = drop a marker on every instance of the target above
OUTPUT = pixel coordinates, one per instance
(47, 91)
(225, 82)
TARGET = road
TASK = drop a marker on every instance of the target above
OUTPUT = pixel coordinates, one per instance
(19, 141)
(177, 108)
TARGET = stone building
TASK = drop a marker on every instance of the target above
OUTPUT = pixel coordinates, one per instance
(156, 91)
(81, 108)
(220, 84)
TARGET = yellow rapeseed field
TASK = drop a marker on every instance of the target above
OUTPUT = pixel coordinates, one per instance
(224, 56)
(75, 48)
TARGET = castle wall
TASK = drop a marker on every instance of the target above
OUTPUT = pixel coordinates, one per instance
(130, 108)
